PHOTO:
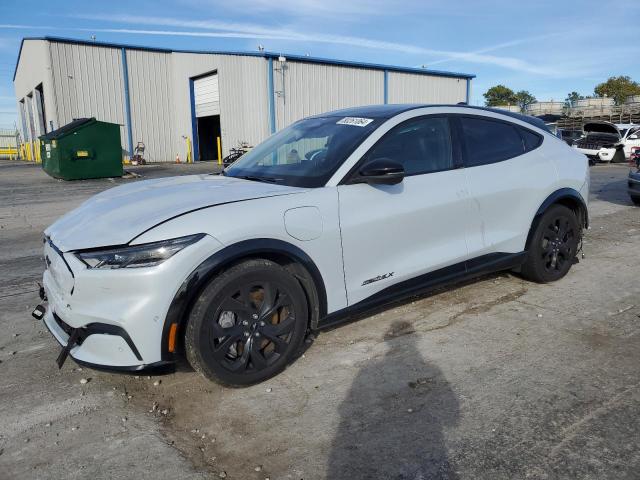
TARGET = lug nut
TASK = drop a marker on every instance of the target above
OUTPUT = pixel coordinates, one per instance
(255, 316)
(262, 324)
(245, 323)
(246, 334)
(257, 334)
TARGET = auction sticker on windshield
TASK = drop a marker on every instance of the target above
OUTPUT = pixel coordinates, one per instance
(355, 121)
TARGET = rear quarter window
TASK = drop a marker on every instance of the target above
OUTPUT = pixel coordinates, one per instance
(531, 140)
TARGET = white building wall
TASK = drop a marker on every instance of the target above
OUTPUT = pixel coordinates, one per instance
(311, 88)
(88, 82)
(31, 73)
(151, 99)
(419, 88)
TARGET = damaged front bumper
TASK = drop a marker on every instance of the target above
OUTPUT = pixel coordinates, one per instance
(602, 154)
(97, 345)
(112, 319)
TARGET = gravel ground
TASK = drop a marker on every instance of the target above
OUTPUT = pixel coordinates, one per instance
(496, 378)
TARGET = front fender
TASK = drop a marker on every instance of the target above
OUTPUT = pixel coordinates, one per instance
(202, 274)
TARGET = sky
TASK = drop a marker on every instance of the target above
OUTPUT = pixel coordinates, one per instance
(548, 47)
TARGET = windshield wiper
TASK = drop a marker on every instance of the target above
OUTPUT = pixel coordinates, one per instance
(258, 179)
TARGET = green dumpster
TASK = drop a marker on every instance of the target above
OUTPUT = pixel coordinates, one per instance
(84, 148)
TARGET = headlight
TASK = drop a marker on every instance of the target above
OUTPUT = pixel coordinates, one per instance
(144, 255)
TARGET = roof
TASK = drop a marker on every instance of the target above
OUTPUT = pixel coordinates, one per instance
(272, 55)
(391, 110)
(372, 111)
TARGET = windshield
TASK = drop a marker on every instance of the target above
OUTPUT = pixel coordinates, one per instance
(304, 154)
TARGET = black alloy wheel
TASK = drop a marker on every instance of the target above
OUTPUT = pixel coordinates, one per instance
(248, 324)
(553, 246)
(558, 242)
(252, 327)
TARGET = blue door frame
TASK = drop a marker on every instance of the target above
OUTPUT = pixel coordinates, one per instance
(194, 122)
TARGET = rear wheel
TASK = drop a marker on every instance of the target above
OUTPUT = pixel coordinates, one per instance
(554, 245)
(247, 324)
(635, 199)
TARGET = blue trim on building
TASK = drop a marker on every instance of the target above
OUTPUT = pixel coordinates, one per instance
(468, 90)
(386, 86)
(271, 93)
(127, 100)
(194, 121)
(272, 55)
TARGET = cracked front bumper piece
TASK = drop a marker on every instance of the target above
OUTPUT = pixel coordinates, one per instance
(113, 319)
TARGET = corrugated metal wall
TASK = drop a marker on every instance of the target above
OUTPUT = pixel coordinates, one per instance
(418, 88)
(244, 100)
(151, 96)
(311, 88)
(88, 82)
(29, 74)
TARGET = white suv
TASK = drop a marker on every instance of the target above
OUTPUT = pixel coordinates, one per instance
(327, 218)
(602, 140)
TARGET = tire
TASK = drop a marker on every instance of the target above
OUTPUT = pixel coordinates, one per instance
(553, 246)
(232, 157)
(635, 199)
(247, 325)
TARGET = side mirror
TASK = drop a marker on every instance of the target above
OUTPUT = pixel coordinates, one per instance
(381, 171)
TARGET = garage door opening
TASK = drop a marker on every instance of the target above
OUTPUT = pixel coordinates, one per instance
(206, 98)
(208, 134)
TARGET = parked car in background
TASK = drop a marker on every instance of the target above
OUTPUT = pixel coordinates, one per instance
(631, 139)
(634, 158)
(377, 204)
(569, 136)
(634, 185)
(606, 142)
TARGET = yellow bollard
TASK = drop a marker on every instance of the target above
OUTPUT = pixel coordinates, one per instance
(219, 152)
(189, 156)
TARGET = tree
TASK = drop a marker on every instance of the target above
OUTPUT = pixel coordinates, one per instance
(572, 98)
(499, 95)
(618, 88)
(524, 98)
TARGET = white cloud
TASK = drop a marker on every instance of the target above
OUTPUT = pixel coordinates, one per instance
(335, 9)
(242, 30)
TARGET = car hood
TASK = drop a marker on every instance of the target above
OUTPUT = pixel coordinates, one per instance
(601, 127)
(118, 215)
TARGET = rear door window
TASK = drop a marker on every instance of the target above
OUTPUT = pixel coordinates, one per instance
(489, 141)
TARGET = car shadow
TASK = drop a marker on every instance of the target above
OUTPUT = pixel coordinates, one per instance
(393, 417)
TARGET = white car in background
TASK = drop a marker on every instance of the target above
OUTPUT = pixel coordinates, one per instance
(601, 140)
(331, 216)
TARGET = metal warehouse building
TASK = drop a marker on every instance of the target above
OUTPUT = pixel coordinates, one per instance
(166, 98)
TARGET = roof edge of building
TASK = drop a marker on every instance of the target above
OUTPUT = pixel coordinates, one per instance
(297, 58)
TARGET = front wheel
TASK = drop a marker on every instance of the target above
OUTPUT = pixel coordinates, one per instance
(247, 324)
(553, 246)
